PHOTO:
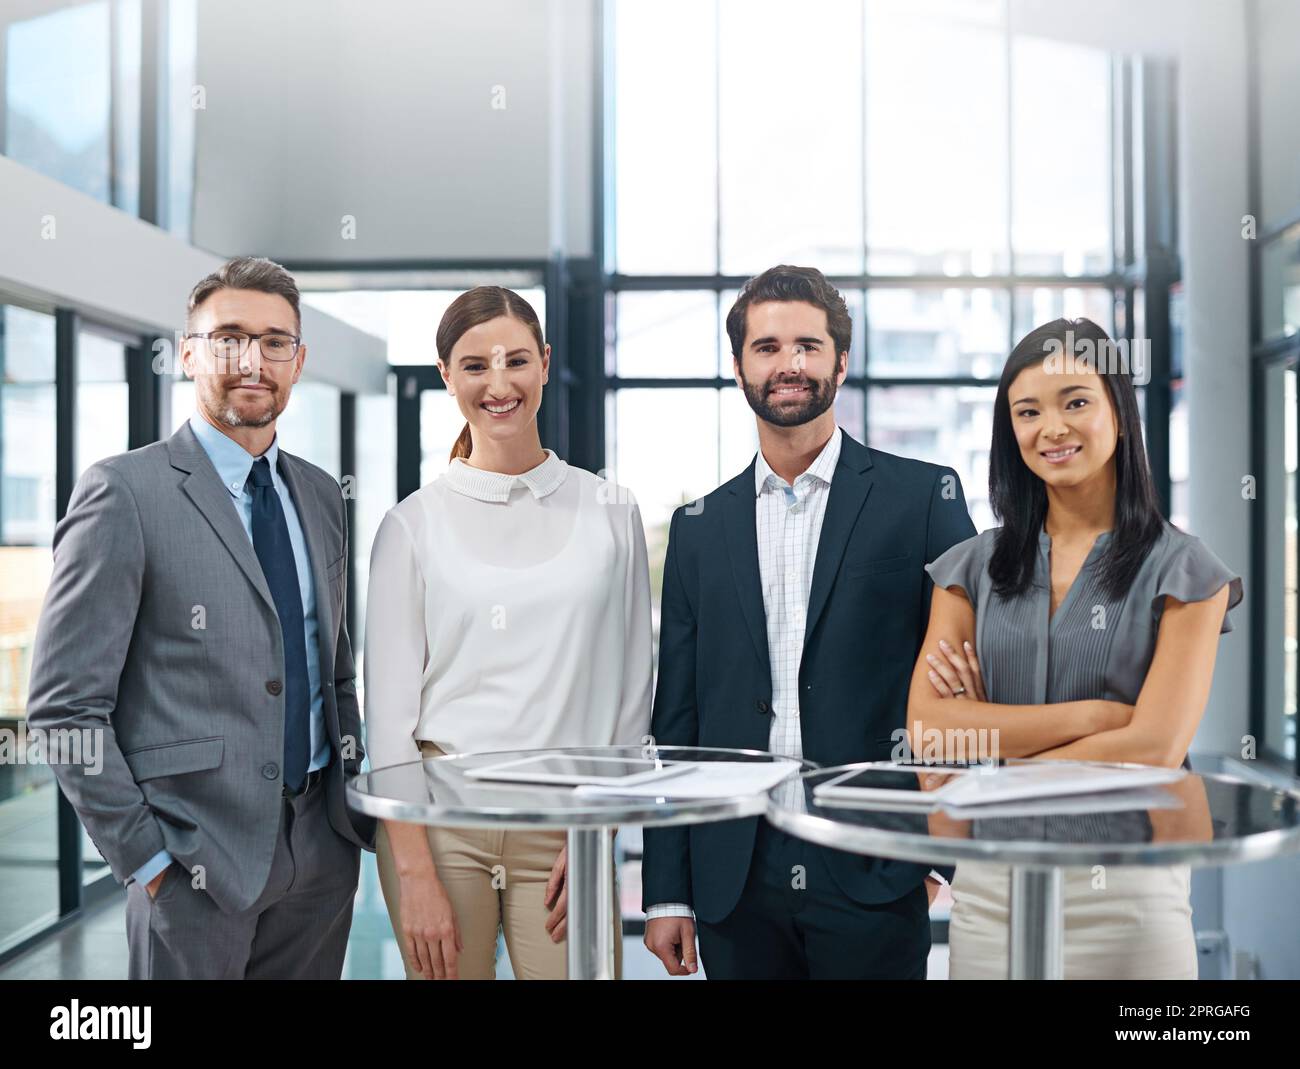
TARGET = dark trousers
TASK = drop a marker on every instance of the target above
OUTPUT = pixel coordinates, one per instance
(296, 930)
(794, 923)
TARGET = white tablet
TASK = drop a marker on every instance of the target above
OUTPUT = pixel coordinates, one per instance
(895, 787)
(570, 771)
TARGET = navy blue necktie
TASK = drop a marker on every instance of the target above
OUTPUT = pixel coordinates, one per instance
(275, 552)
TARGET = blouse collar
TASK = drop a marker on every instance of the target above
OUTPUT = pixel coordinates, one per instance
(496, 486)
(1045, 543)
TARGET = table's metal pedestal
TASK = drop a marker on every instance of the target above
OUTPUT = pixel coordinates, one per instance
(591, 904)
(1037, 922)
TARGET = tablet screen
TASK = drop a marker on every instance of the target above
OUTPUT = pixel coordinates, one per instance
(880, 780)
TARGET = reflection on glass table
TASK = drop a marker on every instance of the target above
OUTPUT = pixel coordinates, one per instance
(1070, 863)
(439, 792)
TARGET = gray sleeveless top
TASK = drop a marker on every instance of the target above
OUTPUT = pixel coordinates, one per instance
(1094, 646)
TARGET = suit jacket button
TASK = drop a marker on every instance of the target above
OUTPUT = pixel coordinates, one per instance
(274, 686)
(763, 707)
(270, 771)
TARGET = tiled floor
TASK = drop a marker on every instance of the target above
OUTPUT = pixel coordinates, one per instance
(95, 948)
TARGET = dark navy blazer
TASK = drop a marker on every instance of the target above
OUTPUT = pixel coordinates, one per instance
(886, 518)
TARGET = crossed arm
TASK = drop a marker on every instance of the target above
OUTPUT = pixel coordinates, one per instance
(1156, 731)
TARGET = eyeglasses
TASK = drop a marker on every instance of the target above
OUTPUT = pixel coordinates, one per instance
(233, 344)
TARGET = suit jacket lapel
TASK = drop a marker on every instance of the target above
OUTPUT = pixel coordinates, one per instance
(203, 486)
(742, 550)
(849, 489)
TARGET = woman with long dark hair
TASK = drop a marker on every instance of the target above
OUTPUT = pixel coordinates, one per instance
(509, 609)
(1085, 627)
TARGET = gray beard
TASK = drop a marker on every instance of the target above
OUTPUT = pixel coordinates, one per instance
(228, 415)
(231, 418)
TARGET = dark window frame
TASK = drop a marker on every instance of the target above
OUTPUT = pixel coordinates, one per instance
(1145, 264)
(1266, 354)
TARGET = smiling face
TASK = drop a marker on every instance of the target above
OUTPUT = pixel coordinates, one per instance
(496, 375)
(1064, 423)
(256, 390)
(789, 368)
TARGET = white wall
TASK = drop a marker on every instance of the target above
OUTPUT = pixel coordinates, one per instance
(321, 109)
(1213, 196)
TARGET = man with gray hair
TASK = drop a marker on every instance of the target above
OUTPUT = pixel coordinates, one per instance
(194, 621)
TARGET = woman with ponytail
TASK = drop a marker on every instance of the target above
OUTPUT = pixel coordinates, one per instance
(1084, 628)
(509, 609)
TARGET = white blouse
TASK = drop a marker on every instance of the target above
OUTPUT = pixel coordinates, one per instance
(508, 612)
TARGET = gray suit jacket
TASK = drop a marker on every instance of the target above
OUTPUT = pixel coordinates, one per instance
(159, 634)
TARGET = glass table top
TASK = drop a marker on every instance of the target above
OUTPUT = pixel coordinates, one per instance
(1197, 820)
(437, 791)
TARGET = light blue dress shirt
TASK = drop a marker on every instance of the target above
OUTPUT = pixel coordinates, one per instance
(233, 463)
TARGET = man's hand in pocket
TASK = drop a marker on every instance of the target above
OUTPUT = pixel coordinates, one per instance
(153, 885)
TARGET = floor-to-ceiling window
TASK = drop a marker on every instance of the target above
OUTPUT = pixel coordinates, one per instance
(102, 96)
(72, 96)
(38, 862)
(958, 181)
(1277, 416)
(102, 430)
(1274, 230)
(28, 796)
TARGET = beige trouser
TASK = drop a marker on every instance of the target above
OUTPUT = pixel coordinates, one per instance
(1120, 923)
(496, 879)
